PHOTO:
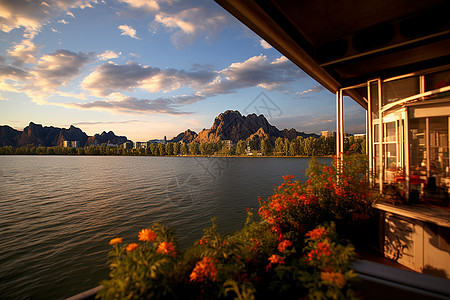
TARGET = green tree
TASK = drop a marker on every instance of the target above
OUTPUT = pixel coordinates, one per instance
(193, 148)
(240, 148)
(184, 149)
(169, 148)
(176, 148)
(266, 147)
(294, 147)
(161, 149)
(286, 146)
(279, 146)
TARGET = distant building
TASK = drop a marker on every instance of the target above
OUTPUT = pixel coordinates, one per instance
(71, 144)
(228, 143)
(112, 145)
(155, 141)
(328, 133)
(141, 145)
(127, 145)
(360, 135)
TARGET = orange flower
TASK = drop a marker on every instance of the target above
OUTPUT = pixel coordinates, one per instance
(317, 233)
(115, 241)
(147, 235)
(333, 278)
(167, 248)
(131, 247)
(283, 245)
(325, 248)
(276, 259)
(204, 269)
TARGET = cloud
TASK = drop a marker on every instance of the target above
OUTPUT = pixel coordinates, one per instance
(314, 89)
(8, 72)
(191, 23)
(110, 77)
(23, 53)
(107, 123)
(265, 44)
(32, 14)
(58, 68)
(255, 71)
(128, 30)
(63, 21)
(132, 105)
(108, 54)
(147, 5)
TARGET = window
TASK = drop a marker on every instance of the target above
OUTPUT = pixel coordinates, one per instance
(429, 148)
(400, 89)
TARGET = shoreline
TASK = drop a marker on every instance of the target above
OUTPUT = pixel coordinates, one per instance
(203, 156)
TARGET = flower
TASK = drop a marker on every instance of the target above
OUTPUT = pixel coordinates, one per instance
(283, 245)
(166, 248)
(147, 235)
(132, 246)
(204, 269)
(333, 278)
(323, 251)
(115, 241)
(325, 248)
(276, 259)
(317, 233)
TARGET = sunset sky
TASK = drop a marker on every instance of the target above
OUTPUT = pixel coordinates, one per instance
(147, 69)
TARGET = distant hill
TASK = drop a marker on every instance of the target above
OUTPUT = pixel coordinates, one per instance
(187, 137)
(231, 125)
(38, 135)
(106, 138)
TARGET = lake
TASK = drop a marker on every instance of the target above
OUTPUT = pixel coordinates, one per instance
(58, 213)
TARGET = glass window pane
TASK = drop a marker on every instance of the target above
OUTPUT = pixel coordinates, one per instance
(376, 134)
(438, 137)
(437, 80)
(400, 89)
(374, 99)
(389, 132)
(418, 147)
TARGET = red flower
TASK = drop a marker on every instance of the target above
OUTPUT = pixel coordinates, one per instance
(283, 245)
(204, 269)
(317, 233)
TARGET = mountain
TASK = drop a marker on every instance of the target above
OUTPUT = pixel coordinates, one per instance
(106, 138)
(38, 135)
(231, 125)
(186, 137)
(9, 136)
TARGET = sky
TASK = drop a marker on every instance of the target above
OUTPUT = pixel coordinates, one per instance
(147, 69)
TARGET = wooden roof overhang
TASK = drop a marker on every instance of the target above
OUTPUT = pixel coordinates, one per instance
(341, 43)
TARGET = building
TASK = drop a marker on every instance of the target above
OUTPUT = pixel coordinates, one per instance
(138, 145)
(127, 145)
(73, 144)
(328, 134)
(228, 143)
(393, 58)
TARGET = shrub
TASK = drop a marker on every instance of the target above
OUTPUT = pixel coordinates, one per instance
(287, 255)
(328, 195)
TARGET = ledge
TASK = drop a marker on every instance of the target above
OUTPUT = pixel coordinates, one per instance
(385, 282)
(421, 212)
(87, 295)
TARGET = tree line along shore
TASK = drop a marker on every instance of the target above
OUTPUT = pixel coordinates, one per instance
(281, 147)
